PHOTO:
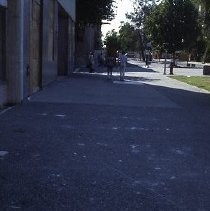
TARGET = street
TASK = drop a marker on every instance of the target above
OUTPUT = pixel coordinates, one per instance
(88, 143)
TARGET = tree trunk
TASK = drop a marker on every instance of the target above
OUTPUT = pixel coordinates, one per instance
(141, 49)
(205, 53)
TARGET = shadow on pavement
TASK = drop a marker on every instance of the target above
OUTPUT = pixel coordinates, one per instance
(107, 153)
(200, 102)
(130, 68)
(138, 68)
(141, 79)
(103, 76)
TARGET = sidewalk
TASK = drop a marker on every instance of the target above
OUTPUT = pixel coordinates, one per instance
(96, 89)
(172, 83)
(183, 64)
(88, 143)
(137, 73)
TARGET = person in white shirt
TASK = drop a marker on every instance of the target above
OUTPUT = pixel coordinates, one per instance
(123, 63)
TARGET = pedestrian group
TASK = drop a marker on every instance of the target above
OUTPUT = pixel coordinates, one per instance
(121, 62)
(110, 62)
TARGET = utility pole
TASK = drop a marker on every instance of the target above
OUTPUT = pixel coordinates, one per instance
(164, 72)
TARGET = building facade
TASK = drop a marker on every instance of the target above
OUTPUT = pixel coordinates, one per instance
(37, 45)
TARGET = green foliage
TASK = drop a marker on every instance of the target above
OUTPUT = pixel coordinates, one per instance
(112, 43)
(205, 4)
(128, 38)
(141, 10)
(204, 20)
(173, 23)
(94, 11)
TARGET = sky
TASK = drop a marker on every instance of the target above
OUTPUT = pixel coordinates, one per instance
(123, 6)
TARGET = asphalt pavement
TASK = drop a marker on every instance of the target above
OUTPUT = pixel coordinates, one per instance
(86, 142)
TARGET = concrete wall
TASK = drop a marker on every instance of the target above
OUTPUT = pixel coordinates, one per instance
(15, 50)
(3, 85)
(70, 7)
(66, 43)
(50, 66)
(26, 46)
(18, 49)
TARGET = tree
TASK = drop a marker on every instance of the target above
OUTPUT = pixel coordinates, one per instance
(142, 9)
(172, 25)
(125, 40)
(94, 11)
(204, 13)
(89, 17)
(128, 37)
(112, 43)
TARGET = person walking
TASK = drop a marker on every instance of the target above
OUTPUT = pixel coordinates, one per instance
(147, 54)
(123, 63)
(91, 62)
(110, 63)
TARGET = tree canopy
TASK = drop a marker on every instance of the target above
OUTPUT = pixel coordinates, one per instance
(94, 11)
(173, 25)
(128, 37)
(112, 43)
(170, 25)
(141, 10)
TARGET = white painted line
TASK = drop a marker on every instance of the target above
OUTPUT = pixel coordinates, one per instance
(5, 110)
(127, 82)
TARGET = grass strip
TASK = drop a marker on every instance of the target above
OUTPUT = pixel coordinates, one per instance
(202, 82)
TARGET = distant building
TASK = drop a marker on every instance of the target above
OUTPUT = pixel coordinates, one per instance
(37, 44)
